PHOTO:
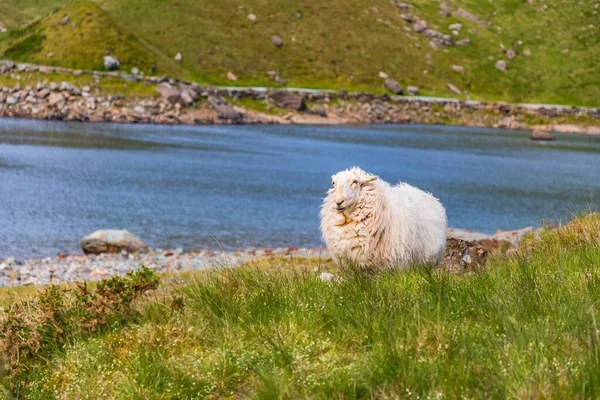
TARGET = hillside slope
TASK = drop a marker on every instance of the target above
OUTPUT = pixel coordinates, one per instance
(344, 44)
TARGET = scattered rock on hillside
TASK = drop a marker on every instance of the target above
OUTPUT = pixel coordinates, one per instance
(178, 57)
(252, 17)
(458, 68)
(412, 90)
(135, 71)
(471, 17)
(231, 76)
(65, 20)
(462, 42)
(291, 101)
(277, 41)
(393, 86)
(462, 255)
(510, 54)
(501, 65)
(275, 76)
(445, 10)
(298, 15)
(2, 27)
(455, 27)
(420, 26)
(383, 75)
(111, 63)
(527, 52)
(542, 135)
(112, 241)
(454, 89)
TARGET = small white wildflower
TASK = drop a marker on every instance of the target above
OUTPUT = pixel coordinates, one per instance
(327, 277)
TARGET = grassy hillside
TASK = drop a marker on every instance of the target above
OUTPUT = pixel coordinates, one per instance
(526, 327)
(341, 44)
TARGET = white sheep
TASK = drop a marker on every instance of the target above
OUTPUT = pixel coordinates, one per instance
(369, 223)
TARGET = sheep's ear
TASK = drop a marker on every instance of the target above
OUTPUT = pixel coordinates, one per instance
(369, 178)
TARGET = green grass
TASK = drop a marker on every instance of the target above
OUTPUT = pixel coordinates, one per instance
(341, 44)
(525, 327)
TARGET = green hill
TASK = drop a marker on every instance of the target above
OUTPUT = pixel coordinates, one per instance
(341, 44)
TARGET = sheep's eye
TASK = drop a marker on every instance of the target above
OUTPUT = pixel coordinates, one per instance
(333, 183)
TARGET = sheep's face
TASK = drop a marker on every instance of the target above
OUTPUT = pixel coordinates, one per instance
(346, 186)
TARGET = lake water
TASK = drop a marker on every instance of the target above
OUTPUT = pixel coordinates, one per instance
(200, 187)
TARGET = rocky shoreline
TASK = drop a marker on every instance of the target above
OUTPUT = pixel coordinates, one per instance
(466, 250)
(178, 101)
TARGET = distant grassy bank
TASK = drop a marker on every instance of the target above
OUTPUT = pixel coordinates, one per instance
(525, 327)
(552, 48)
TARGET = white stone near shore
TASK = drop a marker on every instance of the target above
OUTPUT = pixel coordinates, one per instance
(112, 241)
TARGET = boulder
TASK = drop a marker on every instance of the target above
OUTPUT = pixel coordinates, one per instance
(231, 76)
(291, 101)
(393, 86)
(462, 255)
(56, 99)
(412, 90)
(277, 41)
(470, 16)
(501, 65)
(111, 63)
(112, 241)
(168, 93)
(225, 111)
(454, 89)
(458, 68)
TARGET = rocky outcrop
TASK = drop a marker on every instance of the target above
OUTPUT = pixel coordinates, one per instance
(112, 241)
(291, 101)
(225, 111)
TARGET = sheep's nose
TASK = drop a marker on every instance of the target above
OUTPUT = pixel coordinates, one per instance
(339, 203)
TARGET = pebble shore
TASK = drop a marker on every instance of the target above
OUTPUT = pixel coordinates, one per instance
(73, 268)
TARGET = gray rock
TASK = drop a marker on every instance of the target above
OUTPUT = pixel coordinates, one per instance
(169, 93)
(455, 27)
(420, 26)
(56, 99)
(231, 76)
(458, 68)
(186, 97)
(178, 57)
(135, 71)
(501, 65)
(42, 94)
(225, 111)
(277, 41)
(112, 241)
(393, 86)
(412, 90)
(454, 89)
(470, 16)
(111, 63)
(291, 101)
(139, 109)
(510, 54)
(65, 20)
(462, 42)
(252, 17)
(11, 100)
